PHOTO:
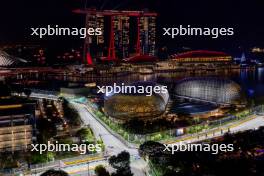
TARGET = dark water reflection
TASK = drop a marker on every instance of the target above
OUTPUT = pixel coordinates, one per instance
(251, 80)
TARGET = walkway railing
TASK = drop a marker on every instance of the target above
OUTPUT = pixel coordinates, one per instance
(57, 164)
(181, 132)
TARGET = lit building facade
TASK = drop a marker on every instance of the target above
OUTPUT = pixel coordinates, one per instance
(121, 36)
(118, 26)
(94, 42)
(202, 56)
(7, 60)
(17, 124)
(124, 107)
(215, 90)
(147, 32)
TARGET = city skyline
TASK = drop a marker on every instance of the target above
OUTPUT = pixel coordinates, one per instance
(131, 88)
(244, 17)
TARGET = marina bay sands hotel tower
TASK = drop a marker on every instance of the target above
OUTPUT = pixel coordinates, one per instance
(125, 34)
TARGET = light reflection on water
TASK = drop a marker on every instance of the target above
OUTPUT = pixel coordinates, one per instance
(251, 82)
(248, 79)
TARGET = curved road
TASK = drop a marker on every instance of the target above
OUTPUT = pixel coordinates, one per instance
(113, 144)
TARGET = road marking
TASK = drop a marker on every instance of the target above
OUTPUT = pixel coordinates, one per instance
(88, 159)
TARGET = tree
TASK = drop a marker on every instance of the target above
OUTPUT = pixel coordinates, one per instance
(36, 157)
(27, 92)
(85, 134)
(18, 88)
(244, 160)
(46, 129)
(5, 90)
(121, 163)
(53, 172)
(150, 148)
(122, 172)
(70, 113)
(101, 171)
(7, 160)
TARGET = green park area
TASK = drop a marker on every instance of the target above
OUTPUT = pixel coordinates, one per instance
(72, 133)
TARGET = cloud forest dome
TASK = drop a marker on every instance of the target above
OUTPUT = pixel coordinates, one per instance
(7, 60)
(212, 89)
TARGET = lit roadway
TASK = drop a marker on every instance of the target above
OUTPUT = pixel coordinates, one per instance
(43, 96)
(253, 122)
(113, 144)
(139, 166)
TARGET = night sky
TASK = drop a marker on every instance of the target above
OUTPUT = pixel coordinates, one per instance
(246, 18)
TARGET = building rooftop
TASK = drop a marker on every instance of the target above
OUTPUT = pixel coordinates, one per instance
(7, 60)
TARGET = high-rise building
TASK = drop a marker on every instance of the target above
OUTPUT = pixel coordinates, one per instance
(118, 28)
(94, 42)
(147, 30)
(17, 123)
(121, 36)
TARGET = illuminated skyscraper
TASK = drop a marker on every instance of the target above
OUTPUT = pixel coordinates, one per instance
(121, 36)
(119, 28)
(147, 32)
(94, 42)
